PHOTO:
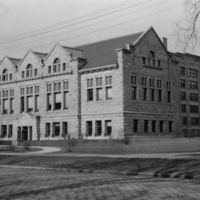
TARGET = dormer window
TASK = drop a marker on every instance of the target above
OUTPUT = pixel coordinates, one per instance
(151, 58)
(56, 65)
(29, 71)
(5, 75)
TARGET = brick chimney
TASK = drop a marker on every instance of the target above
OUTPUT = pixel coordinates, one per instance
(165, 42)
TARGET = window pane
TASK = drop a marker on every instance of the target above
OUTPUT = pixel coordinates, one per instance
(109, 92)
(36, 103)
(66, 99)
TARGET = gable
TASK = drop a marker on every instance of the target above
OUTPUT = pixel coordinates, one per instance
(26, 119)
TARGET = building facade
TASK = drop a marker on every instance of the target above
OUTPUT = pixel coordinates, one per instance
(115, 88)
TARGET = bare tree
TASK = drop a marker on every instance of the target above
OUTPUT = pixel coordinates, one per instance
(186, 30)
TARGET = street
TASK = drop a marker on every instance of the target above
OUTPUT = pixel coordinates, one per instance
(23, 184)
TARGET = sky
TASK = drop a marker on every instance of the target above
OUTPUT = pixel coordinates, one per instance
(40, 24)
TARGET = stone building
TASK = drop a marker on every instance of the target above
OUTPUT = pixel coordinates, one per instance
(115, 88)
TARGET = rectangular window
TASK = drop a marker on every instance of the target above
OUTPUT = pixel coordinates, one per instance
(108, 80)
(182, 70)
(12, 93)
(182, 83)
(193, 85)
(193, 97)
(48, 130)
(108, 92)
(10, 77)
(161, 123)
(89, 128)
(65, 129)
(159, 83)
(49, 101)
(159, 63)
(65, 85)
(153, 126)
(183, 108)
(10, 131)
(194, 121)
(144, 81)
(22, 74)
(168, 85)
(64, 66)
(35, 72)
(22, 104)
(90, 82)
(144, 92)
(168, 96)
(108, 127)
(159, 95)
(30, 103)
(49, 69)
(146, 122)
(183, 96)
(57, 101)
(134, 93)
(4, 131)
(99, 93)
(5, 106)
(143, 60)
(135, 125)
(194, 109)
(11, 106)
(152, 95)
(37, 89)
(56, 131)
(170, 126)
(184, 121)
(90, 95)
(66, 100)
(98, 128)
(151, 82)
(48, 87)
(36, 103)
(55, 68)
(99, 81)
(134, 80)
(193, 73)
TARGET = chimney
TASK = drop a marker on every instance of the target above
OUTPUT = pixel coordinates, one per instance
(165, 42)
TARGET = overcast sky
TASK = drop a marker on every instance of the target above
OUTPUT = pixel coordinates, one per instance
(19, 17)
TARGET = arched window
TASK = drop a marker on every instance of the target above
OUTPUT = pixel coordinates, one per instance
(56, 65)
(29, 71)
(5, 75)
(151, 58)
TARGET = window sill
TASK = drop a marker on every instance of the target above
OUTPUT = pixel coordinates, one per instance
(152, 67)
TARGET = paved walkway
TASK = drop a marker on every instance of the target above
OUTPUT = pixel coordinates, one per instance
(18, 184)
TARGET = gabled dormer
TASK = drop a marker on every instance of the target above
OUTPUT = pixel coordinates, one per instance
(8, 68)
(30, 66)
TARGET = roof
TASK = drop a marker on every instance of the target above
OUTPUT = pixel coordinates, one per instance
(40, 55)
(188, 55)
(15, 60)
(74, 51)
(103, 53)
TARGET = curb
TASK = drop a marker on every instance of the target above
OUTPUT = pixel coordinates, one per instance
(186, 175)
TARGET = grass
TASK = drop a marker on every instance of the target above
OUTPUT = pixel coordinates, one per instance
(6, 149)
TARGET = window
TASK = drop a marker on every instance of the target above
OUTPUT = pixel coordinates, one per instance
(184, 121)
(193, 85)
(22, 74)
(143, 60)
(49, 69)
(5, 106)
(36, 103)
(161, 123)
(133, 80)
(10, 77)
(35, 72)
(146, 122)
(48, 87)
(144, 92)
(56, 65)
(193, 97)
(135, 125)
(134, 93)
(89, 128)
(29, 71)
(183, 96)
(183, 108)
(152, 95)
(4, 131)
(193, 73)
(64, 66)
(194, 121)
(37, 89)
(90, 89)
(108, 127)
(153, 126)
(159, 84)
(159, 63)
(22, 104)
(182, 83)
(159, 96)
(108, 87)
(151, 58)
(170, 126)
(182, 70)
(10, 131)
(194, 109)
(11, 105)
(56, 129)
(98, 128)
(48, 130)
(168, 85)
(65, 129)
(144, 81)
(65, 94)
(57, 101)
(29, 103)
(151, 82)
(49, 101)
(168, 96)
(99, 89)
(5, 75)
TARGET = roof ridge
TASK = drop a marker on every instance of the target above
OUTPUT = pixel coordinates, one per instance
(39, 52)
(111, 39)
